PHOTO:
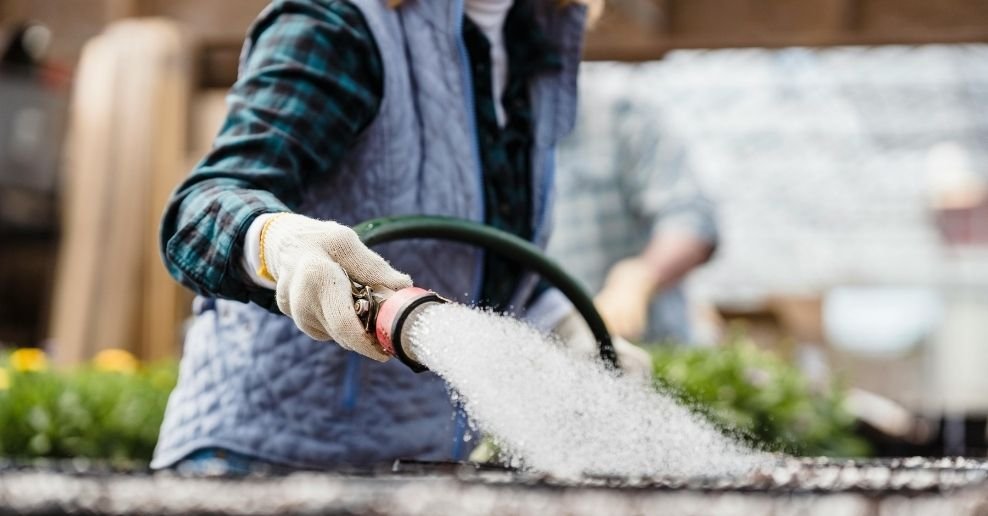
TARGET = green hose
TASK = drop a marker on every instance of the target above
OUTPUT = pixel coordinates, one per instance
(389, 229)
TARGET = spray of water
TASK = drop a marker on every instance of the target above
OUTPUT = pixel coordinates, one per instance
(558, 412)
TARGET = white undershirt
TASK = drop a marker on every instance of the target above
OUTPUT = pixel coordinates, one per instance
(489, 16)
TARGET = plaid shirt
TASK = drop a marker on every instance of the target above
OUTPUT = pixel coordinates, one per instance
(311, 80)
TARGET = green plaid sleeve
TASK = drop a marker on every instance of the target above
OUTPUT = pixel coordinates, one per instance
(310, 81)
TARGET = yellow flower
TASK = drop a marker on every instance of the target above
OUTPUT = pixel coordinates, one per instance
(4, 379)
(28, 359)
(116, 360)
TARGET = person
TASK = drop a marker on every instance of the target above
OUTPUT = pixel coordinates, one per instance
(632, 221)
(346, 111)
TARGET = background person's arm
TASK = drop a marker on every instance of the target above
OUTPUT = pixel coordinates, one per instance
(633, 282)
(662, 191)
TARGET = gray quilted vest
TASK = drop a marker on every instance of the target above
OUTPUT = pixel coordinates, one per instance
(252, 383)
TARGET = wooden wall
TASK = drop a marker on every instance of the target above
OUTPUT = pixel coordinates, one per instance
(645, 29)
(74, 21)
(630, 29)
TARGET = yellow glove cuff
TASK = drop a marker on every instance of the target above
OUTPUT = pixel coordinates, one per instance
(263, 270)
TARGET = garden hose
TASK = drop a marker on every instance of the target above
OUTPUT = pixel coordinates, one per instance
(511, 247)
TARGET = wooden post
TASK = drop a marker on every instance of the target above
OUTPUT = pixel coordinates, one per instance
(75, 302)
(166, 304)
(128, 143)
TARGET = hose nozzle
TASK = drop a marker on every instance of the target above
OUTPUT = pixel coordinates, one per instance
(386, 315)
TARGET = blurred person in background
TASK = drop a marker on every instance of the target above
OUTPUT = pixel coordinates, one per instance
(631, 221)
(343, 112)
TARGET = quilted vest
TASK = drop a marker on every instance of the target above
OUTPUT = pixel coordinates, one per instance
(252, 383)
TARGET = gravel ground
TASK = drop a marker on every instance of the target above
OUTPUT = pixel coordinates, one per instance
(806, 487)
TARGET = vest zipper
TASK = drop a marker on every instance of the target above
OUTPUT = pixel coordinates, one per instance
(351, 381)
(478, 276)
(547, 180)
(460, 431)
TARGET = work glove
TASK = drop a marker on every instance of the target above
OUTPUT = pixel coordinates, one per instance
(624, 300)
(312, 263)
(575, 334)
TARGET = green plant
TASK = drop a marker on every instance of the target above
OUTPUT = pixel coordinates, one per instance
(755, 394)
(101, 410)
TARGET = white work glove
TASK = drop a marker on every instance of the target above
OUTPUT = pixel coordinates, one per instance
(576, 335)
(309, 261)
(624, 300)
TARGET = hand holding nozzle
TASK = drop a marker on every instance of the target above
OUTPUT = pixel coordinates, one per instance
(312, 263)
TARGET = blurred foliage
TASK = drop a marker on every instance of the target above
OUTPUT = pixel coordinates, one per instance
(756, 395)
(109, 409)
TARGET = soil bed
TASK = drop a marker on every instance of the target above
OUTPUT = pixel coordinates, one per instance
(808, 486)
